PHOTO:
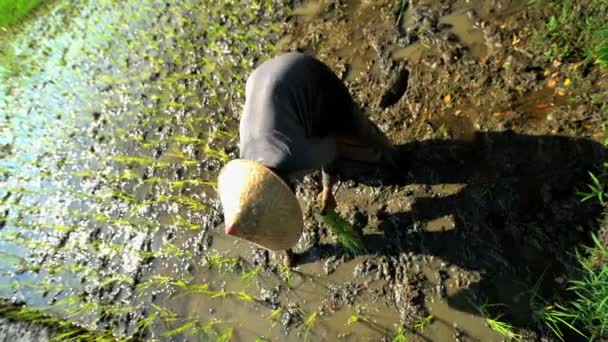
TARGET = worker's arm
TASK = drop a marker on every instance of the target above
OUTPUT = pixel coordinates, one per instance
(327, 197)
(320, 153)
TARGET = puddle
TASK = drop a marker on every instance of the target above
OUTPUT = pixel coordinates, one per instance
(470, 36)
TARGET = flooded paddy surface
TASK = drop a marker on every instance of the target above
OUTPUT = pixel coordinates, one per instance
(116, 118)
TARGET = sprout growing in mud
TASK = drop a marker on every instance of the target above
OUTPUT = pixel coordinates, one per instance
(309, 322)
(64, 330)
(208, 328)
(116, 278)
(399, 335)
(503, 328)
(155, 280)
(165, 314)
(286, 273)
(189, 202)
(242, 295)
(249, 276)
(352, 320)
(180, 222)
(143, 325)
(345, 233)
(192, 182)
(170, 249)
(226, 335)
(423, 323)
(220, 261)
(275, 316)
(188, 326)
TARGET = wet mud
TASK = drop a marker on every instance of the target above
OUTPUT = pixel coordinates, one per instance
(113, 213)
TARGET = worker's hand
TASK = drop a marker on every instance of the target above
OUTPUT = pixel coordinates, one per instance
(328, 201)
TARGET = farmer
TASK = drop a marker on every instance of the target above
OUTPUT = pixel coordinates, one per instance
(298, 117)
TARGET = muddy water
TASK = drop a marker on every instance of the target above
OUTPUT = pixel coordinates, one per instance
(118, 131)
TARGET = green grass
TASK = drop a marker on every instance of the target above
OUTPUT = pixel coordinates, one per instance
(596, 189)
(602, 51)
(11, 11)
(575, 30)
(586, 313)
(589, 309)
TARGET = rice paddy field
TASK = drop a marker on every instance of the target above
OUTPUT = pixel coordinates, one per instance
(116, 116)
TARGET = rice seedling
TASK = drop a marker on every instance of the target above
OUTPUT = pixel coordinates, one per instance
(216, 154)
(184, 159)
(180, 222)
(215, 260)
(82, 308)
(142, 161)
(116, 278)
(423, 323)
(286, 273)
(153, 281)
(345, 233)
(115, 310)
(192, 288)
(503, 328)
(192, 182)
(208, 328)
(275, 316)
(189, 325)
(170, 249)
(309, 322)
(249, 276)
(399, 335)
(352, 320)
(242, 295)
(165, 314)
(226, 335)
(144, 324)
(189, 202)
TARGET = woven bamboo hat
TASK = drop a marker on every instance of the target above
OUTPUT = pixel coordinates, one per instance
(259, 206)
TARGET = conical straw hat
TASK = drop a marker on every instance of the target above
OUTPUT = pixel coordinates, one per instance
(259, 206)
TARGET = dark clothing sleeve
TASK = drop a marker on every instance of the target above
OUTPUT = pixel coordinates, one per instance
(294, 106)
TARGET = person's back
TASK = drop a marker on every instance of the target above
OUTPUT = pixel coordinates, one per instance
(294, 105)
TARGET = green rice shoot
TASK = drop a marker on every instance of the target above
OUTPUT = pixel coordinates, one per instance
(347, 237)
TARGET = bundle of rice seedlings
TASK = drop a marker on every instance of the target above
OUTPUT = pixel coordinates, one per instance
(345, 233)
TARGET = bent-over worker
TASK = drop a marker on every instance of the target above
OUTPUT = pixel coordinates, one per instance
(298, 117)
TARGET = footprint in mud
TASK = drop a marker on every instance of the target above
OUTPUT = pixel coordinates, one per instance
(397, 88)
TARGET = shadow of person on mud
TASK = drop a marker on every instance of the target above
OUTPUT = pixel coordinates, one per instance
(517, 216)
